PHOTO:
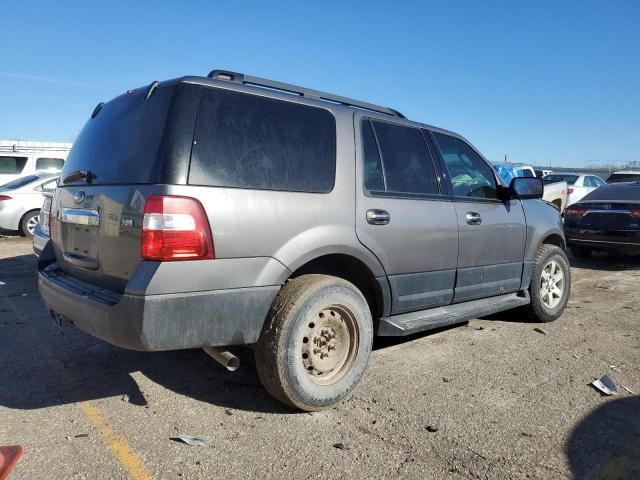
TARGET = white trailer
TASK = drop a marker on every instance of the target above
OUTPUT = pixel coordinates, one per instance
(19, 158)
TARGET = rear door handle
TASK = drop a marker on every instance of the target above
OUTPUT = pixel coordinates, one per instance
(378, 217)
(474, 218)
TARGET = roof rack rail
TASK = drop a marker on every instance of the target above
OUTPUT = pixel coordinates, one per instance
(304, 92)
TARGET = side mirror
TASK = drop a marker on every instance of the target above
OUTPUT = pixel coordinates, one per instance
(527, 188)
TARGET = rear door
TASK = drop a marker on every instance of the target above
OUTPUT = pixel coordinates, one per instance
(492, 232)
(402, 214)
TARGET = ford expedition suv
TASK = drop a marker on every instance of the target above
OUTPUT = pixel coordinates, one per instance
(234, 210)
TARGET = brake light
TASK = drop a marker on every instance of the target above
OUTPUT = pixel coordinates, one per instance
(570, 190)
(635, 212)
(576, 212)
(175, 228)
(4, 197)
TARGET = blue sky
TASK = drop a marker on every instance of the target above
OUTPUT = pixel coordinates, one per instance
(546, 81)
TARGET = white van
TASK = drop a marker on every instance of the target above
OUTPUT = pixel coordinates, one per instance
(19, 158)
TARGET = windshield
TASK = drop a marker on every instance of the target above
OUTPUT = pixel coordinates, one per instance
(616, 192)
(19, 182)
(623, 177)
(556, 177)
(121, 145)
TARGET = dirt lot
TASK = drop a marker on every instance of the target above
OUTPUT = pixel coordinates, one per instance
(507, 401)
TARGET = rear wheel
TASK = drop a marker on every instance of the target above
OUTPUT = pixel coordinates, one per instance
(581, 252)
(315, 345)
(29, 222)
(550, 284)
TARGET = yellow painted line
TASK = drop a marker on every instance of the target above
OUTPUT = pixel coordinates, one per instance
(131, 462)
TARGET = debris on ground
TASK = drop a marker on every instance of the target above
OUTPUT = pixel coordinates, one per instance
(190, 440)
(432, 428)
(479, 328)
(605, 385)
(125, 397)
(228, 412)
(540, 330)
(81, 435)
(447, 379)
(628, 390)
(614, 368)
(340, 446)
(9, 456)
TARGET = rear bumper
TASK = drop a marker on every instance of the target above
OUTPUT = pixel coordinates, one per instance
(158, 322)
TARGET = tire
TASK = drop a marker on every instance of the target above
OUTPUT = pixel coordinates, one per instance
(27, 223)
(581, 252)
(294, 356)
(543, 307)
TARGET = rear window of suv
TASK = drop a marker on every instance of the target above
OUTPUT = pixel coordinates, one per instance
(249, 141)
(122, 143)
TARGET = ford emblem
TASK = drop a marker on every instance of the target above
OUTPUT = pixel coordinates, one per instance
(78, 197)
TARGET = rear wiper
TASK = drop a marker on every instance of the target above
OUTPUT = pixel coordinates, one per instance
(85, 175)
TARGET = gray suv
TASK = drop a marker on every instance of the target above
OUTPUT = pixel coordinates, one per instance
(234, 210)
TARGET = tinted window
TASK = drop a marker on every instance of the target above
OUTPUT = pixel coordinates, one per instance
(19, 182)
(408, 167)
(469, 173)
(122, 143)
(43, 164)
(373, 174)
(525, 173)
(249, 141)
(623, 191)
(623, 177)
(12, 165)
(598, 182)
(557, 177)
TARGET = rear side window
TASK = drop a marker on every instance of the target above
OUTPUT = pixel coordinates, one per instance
(12, 165)
(469, 174)
(402, 163)
(19, 182)
(122, 144)
(248, 141)
(44, 164)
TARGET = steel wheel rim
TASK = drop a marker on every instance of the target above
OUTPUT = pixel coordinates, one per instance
(552, 284)
(31, 224)
(329, 344)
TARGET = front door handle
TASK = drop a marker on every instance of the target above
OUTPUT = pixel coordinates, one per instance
(474, 218)
(378, 217)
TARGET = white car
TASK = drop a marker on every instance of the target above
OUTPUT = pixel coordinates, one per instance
(21, 200)
(579, 184)
(624, 176)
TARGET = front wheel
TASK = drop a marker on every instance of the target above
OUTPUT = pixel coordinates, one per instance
(550, 284)
(315, 345)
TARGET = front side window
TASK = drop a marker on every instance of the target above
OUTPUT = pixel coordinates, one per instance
(402, 164)
(249, 141)
(469, 174)
(49, 164)
(12, 165)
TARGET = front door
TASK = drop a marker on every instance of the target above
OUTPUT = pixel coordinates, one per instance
(402, 214)
(492, 232)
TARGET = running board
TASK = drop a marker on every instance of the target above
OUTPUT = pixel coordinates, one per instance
(414, 322)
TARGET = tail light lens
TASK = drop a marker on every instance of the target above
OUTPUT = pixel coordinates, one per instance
(570, 190)
(45, 216)
(575, 212)
(175, 228)
(635, 212)
(4, 197)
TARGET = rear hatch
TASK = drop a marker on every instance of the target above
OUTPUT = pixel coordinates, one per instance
(115, 163)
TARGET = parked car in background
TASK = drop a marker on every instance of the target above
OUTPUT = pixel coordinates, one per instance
(556, 194)
(301, 224)
(605, 219)
(542, 173)
(21, 200)
(579, 184)
(18, 158)
(624, 176)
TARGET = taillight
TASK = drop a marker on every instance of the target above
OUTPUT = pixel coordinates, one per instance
(175, 228)
(570, 190)
(4, 197)
(576, 212)
(634, 212)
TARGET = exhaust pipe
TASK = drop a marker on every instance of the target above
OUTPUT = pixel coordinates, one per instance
(224, 357)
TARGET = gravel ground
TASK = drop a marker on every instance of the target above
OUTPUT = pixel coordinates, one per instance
(489, 399)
